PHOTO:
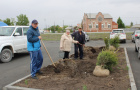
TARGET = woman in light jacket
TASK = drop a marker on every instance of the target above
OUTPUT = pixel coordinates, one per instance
(66, 42)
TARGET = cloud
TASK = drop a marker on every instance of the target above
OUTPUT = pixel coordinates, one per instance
(71, 11)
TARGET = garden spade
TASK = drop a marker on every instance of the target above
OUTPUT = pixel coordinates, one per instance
(56, 70)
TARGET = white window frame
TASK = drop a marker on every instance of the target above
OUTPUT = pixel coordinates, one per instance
(109, 26)
(102, 25)
(90, 26)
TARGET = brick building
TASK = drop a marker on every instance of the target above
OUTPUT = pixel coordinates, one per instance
(98, 22)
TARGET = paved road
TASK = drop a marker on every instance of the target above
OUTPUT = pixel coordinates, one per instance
(20, 65)
(135, 65)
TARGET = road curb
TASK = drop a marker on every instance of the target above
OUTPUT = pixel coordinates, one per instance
(11, 87)
(131, 77)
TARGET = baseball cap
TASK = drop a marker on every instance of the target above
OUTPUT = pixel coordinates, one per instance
(34, 21)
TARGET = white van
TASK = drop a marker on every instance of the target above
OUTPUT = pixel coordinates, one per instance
(13, 39)
(120, 33)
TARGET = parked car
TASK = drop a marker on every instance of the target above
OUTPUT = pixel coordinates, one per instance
(13, 40)
(86, 36)
(120, 33)
(137, 45)
(135, 34)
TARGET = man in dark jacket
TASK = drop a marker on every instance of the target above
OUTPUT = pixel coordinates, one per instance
(80, 37)
(33, 46)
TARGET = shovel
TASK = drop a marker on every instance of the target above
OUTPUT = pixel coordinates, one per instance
(55, 68)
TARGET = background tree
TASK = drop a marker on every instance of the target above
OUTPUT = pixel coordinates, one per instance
(131, 24)
(65, 26)
(8, 21)
(56, 28)
(22, 20)
(0, 20)
(120, 23)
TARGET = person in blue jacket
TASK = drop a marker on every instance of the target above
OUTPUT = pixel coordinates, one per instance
(34, 48)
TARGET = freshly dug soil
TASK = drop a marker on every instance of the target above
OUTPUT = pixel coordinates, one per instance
(78, 74)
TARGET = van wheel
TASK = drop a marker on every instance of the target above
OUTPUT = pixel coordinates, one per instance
(134, 41)
(6, 55)
(124, 41)
(136, 49)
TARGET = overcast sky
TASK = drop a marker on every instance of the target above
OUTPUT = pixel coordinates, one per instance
(71, 11)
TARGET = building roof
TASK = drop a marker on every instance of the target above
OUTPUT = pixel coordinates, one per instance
(93, 15)
(136, 26)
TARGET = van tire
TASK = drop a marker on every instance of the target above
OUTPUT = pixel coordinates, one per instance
(124, 41)
(6, 55)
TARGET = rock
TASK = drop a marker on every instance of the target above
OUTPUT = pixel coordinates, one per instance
(112, 48)
(99, 71)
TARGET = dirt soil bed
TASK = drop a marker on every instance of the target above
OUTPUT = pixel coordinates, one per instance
(78, 74)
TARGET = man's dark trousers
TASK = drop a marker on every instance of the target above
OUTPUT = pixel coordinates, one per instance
(36, 61)
(80, 47)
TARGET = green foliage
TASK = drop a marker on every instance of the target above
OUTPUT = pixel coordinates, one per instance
(84, 87)
(22, 20)
(8, 21)
(115, 42)
(65, 26)
(26, 82)
(0, 19)
(57, 28)
(127, 68)
(127, 26)
(129, 89)
(107, 59)
(106, 41)
(120, 23)
(119, 67)
(131, 24)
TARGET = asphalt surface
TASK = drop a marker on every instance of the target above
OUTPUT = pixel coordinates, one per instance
(135, 65)
(20, 65)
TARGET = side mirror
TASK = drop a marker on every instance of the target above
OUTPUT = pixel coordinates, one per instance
(16, 34)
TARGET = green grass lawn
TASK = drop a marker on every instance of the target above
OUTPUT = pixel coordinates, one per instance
(93, 36)
(51, 37)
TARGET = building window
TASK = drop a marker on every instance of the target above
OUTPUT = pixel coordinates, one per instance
(90, 26)
(102, 25)
(109, 26)
(96, 25)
